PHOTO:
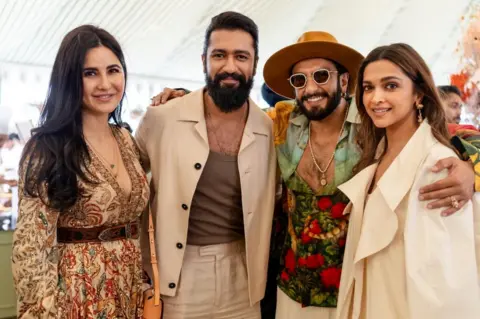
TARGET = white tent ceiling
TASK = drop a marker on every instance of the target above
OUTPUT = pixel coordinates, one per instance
(164, 38)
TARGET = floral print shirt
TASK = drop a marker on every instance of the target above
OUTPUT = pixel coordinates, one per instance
(311, 252)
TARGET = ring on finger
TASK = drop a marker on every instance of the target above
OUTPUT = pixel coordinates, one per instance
(454, 201)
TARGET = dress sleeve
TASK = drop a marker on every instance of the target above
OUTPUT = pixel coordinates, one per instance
(440, 255)
(35, 257)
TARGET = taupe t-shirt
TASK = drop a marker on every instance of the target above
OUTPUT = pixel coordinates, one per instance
(216, 215)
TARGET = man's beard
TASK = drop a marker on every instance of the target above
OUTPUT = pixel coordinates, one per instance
(228, 98)
(319, 114)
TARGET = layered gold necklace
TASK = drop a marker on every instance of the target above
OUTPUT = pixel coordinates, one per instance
(323, 171)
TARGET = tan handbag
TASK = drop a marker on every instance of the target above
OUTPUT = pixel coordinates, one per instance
(152, 303)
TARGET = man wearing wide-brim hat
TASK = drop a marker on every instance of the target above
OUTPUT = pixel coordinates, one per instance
(316, 152)
(318, 74)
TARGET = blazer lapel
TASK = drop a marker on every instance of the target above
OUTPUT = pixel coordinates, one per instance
(378, 230)
(254, 125)
(193, 110)
(357, 187)
(249, 152)
(398, 179)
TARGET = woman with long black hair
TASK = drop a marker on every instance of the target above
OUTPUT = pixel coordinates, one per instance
(82, 189)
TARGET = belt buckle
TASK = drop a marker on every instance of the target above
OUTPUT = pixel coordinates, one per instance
(105, 235)
(114, 232)
(128, 230)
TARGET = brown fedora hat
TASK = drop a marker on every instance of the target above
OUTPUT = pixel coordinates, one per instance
(313, 44)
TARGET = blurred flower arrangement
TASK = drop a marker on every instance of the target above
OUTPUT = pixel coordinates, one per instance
(468, 51)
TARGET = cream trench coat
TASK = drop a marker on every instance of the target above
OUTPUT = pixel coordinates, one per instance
(439, 278)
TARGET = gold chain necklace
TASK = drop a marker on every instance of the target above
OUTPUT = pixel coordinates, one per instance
(323, 176)
(115, 157)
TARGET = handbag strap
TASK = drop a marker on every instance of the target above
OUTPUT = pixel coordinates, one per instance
(153, 259)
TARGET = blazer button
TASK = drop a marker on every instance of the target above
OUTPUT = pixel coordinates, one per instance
(171, 285)
(185, 207)
(179, 245)
(198, 166)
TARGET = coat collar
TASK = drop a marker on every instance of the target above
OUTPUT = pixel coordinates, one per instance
(356, 189)
(400, 174)
(192, 110)
(402, 171)
(193, 107)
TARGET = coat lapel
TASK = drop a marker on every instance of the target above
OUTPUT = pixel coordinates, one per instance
(254, 125)
(255, 128)
(357, 187)
(378, 230)
(193, 110)
(401, 173)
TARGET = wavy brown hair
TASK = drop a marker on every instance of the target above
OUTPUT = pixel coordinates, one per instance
(413, 66)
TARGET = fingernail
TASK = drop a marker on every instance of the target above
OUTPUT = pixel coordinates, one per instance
(421, 191)
(429, 206)
(421, 197)
(444, 214)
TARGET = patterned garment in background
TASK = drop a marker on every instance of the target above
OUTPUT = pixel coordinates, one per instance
(466, 139)
(82, 280)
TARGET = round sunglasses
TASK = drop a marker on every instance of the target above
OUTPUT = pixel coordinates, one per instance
(299, 80)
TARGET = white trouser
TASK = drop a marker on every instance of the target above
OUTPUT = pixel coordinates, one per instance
(213, 284)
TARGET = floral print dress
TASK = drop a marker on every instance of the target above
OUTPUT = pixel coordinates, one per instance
(82, 280)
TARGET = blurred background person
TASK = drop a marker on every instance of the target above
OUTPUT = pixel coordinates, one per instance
(452, 99)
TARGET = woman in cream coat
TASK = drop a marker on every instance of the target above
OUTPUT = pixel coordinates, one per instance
(402, 260)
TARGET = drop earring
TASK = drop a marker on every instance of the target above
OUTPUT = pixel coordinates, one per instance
(419, 109)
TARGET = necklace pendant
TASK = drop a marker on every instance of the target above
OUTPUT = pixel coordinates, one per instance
(323, 180)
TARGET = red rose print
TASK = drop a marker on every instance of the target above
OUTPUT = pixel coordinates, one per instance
(321, 260)
(331, 277)
(315, 228)
(337, 210)
(312, 262)
(324, 203)
(341, 242)
(306, 239)
(302, 262)
(285, 276)
(315, 261)
(290, 260)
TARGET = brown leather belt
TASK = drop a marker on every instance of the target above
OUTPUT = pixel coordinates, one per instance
(98, 234)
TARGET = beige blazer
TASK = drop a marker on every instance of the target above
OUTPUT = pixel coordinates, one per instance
(173, 143)
(440, 271)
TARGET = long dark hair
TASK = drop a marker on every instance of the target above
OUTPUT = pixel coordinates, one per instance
(412, 64)
(57, 154)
